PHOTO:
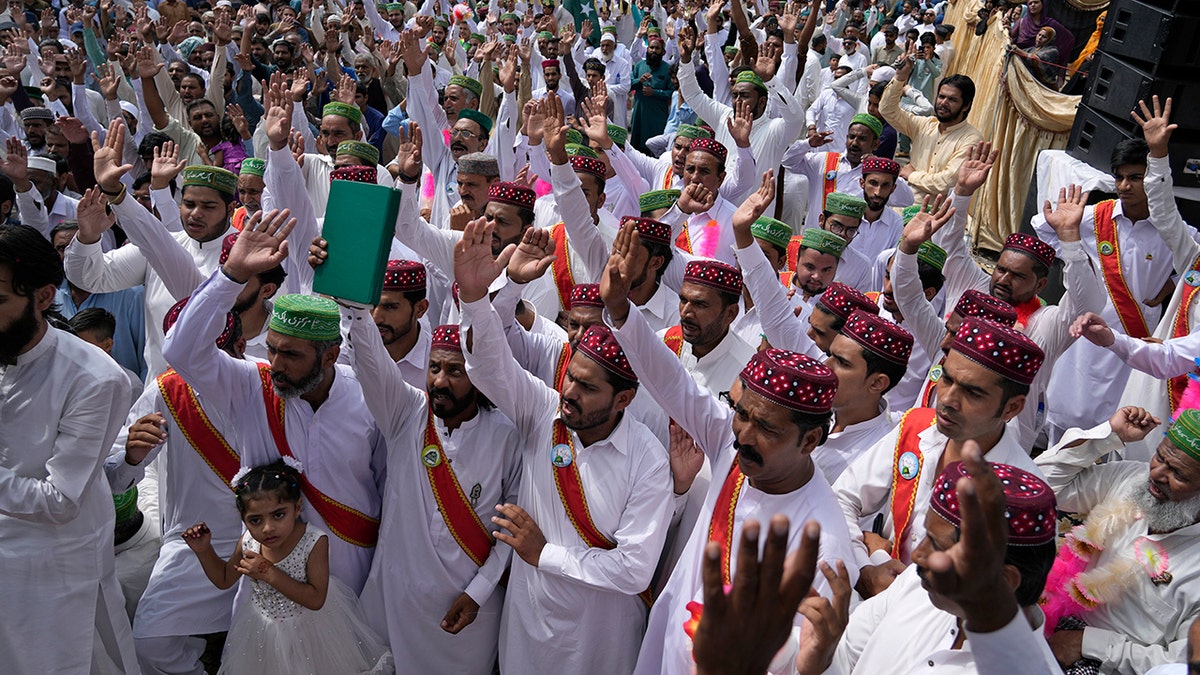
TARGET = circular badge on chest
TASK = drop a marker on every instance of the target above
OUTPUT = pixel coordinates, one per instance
(1106, 248)
(909, 466)
(560, 455)
(431, 456)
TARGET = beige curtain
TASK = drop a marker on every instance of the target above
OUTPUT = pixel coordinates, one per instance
(1013, 111)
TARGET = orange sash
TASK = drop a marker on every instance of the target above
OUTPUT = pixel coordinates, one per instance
(793, 252)
(785, 278)
(925, 400)
(667, 178)
(684, 241)
(1026, 310)
(907, 466)
(564, 279)
(560, 369)
(197, 428)
(873, 296)
(350, 525)
(830, 176)
(673, 338)
(570, 491)
(460, 517)
(720, 527)
(1108, 245)
(1181, 327)
(239, 218)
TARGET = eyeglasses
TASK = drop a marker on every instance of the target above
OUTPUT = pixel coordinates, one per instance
(842, 231)
(466, 134)
(725, 398)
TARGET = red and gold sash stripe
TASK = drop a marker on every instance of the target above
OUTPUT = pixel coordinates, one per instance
(683, 242)
(564, 278)
(904, 490)
(1128, 308)
(929, 387)
(673, 338)
(666, 184)
(793, 252)
(574, 501)
(720, 527)
(350, 525)
(197, 428)
(785, 278)
(1182, 326)
(460, 517)
(830, 184)
(560, 368)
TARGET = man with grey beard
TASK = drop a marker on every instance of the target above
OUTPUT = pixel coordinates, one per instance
(1137, 555)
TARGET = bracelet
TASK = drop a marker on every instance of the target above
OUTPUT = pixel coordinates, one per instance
(230, 276)
(116, 198)
(408, 179)
(110, 194)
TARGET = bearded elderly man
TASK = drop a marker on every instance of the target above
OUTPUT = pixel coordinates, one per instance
(1138, 552)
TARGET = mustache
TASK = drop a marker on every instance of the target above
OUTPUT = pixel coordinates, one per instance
(441, 391)
(568, 403)
(748, 453)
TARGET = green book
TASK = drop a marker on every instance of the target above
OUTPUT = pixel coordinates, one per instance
(360, 221)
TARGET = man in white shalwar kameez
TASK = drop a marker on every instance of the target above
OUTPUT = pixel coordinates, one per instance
(62, 402)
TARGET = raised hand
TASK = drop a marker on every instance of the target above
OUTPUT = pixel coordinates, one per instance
(144, 435)
(107, 156)
(408, 158)
(166, 165)
(78, 65)
(696, 198)
(198, 537)
(1156, 126)
(147, 67)
(1068, 214)
(345, 90)
(532, 257)
(935, 213)
(93, 218)
(1131, 423)
(1093, 328)
(474, 267)
(261, 246)
(752, 209)
(687, 43)
(16, 164)
(767, 61)
(627, 262)
(740, 123)
(508, 73)
(741, 631)
(109, 83)
(554, 128)
(686, 459)
(414, 56)
(234, 112)
(826, 621)
(973, 172)
(278, 119)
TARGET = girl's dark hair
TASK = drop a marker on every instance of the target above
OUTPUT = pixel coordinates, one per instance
(276, 479)
(229, 132)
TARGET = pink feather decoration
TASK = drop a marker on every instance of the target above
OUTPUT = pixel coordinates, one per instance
(1056, 600)
(1191, 395)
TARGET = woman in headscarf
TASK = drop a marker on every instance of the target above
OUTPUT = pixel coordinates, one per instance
(1024, 30)
(1042, 58)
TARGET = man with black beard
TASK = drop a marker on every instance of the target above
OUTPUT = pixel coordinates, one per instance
(940, 143)
(1143, 550)
(301, 404)
(63, 403)
(652, 90)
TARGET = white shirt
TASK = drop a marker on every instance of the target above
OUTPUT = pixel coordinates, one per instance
(1048, 327)
(802, 159)
(1148, 625)
(865, 487)
(1087, 380)
(831, 112)
(339, 444)
(414, 536)
(63, 403)
(710, 232)
(717, 369)
(666, 648)
(875, 237)
(900, 631)
(179, 599)
(843, 447)
(782, 328)
(578, 610)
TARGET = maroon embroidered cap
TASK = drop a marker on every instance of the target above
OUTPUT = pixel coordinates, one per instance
(873, 164)
(512, 193)
(842, 300)
(586, 295)
(446, 337)
(357, 174)
(404, 275)
(1029, 504)
(984, 306)
(1000, 349)
(599, 345)
(549, 63)
(227, 246)
(650, 230)
(587, 165)
(885, 338)
(714, 273)
(710, 146)
(1031, 245)
(223, 340)
(791, 380)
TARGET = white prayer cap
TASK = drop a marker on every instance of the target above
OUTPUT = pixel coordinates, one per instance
(43, 164)
(883, 74)
(608, 36)
(130, 108)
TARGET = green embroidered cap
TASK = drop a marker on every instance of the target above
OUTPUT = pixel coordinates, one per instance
(307, 317)
(1185, 432)
(692, 131)
(574, 136)
(364, 151)
(210, 177)
(253, 166)
(842, 204)
(823, 241)
(753, 78)
(467, 83)
(868, 121)
(932, 254)
(657, 199)
(346, 110)
(477, 117)
(126, 504)
(772, 231)
(618, 134)
(580, 150)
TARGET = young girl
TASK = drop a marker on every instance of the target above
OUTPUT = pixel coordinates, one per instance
(294, 617)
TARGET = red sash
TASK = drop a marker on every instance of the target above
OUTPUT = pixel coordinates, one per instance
(830, 176)
(793, 252)
(667, 178)
(673, 338)
(560, 368)
(350, 525)
(239, 218)
(1026, 310)
(906, 477)
(574, 501)
(720, 527)
(683, 242)
(873, 296)
(1108, 245)
(1181, 327)
(460, 517)
(197, 428)
(564, 279)
(925, 400)
(785, 278)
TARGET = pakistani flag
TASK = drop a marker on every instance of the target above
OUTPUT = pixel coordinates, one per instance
(581, 10)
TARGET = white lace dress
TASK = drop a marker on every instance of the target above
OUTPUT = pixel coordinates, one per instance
(274, 635)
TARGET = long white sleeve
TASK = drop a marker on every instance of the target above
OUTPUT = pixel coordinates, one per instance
(781, 327)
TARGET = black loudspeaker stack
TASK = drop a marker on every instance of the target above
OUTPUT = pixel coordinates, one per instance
(1149, 47)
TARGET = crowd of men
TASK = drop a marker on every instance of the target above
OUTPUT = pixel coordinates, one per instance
(660, 299)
